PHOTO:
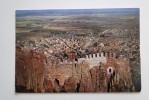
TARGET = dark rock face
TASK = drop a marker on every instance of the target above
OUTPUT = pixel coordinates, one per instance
(57, 87)
(136, 75)
(23, 89)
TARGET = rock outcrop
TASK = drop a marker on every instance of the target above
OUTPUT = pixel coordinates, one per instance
(36, 73)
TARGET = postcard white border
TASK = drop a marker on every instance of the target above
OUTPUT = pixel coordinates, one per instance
(7, 46)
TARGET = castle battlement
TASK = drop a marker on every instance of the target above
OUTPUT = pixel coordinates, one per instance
(97, 59)
(97, 55)
(102, 54)
(94, 59)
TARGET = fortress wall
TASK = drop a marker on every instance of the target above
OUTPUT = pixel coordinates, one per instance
(81, 59)
(96, 59)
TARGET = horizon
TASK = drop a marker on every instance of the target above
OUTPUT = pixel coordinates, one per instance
(46, 12)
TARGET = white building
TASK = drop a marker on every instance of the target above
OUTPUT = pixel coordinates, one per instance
(94, 59)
